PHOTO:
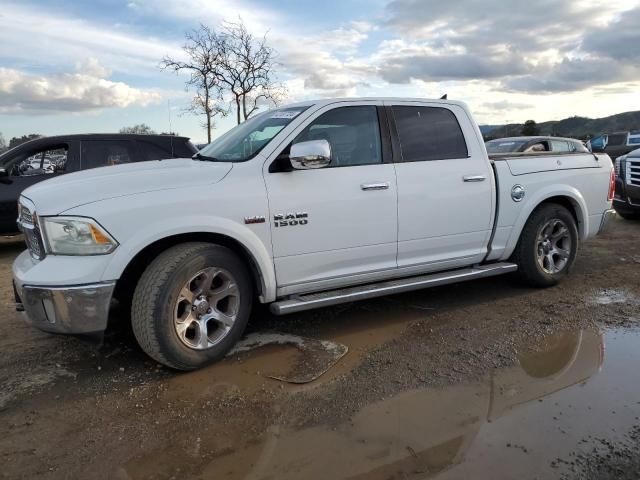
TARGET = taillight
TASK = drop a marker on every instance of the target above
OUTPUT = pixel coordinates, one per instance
(612, 185)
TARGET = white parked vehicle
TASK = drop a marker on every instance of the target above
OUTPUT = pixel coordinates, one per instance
(300, 207)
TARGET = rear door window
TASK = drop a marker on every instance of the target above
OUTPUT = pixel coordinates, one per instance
(102, 153)
(429, 133)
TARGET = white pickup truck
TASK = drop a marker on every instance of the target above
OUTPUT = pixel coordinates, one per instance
(304, 206)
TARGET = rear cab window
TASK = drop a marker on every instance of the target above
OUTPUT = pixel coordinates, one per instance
(560, 146)
(428, 133)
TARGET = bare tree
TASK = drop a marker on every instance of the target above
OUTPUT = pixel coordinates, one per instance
(245, 68)
(141, 129)
(202, 65)
(3, 143)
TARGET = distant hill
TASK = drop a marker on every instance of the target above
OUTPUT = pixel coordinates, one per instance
(574, 127)
(486, 129)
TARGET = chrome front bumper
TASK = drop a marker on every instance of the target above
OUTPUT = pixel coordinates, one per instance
(607, 216)
(79, 309)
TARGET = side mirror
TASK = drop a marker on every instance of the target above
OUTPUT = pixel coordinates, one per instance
(4, 172)
(310, 155)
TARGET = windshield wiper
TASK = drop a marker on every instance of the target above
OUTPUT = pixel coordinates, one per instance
(204, 158)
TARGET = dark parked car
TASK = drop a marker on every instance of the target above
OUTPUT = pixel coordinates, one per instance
(627, 195)
(43, 158)
(616, 144)
(534, 144)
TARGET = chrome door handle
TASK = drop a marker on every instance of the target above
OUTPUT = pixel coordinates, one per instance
(375, 186)
(474, 178)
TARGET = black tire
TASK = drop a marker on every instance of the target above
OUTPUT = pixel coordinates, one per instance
(526, 251)
(157, 294)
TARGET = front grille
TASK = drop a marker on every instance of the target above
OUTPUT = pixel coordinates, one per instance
(633, 171)
(28, 221)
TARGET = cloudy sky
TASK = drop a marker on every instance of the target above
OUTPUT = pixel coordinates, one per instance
(69, 66)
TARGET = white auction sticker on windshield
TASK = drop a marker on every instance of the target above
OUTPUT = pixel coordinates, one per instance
(286, 114)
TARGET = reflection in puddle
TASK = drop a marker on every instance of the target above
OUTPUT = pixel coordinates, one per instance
(425, 431)
(542, 408)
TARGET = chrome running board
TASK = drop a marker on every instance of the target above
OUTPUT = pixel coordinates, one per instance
(298, 303)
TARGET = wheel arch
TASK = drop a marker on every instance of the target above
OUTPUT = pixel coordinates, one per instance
(128, 274)
(568, 197)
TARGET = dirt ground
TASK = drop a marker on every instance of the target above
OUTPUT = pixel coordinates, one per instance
(486, 379)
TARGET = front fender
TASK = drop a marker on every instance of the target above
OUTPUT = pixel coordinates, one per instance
(196, 224)
(539, 197)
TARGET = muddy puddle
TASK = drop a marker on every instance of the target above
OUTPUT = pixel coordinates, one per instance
(268, 361)
(567, 390)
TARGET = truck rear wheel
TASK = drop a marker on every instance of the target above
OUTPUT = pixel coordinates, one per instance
(191, 305)
(548, 246)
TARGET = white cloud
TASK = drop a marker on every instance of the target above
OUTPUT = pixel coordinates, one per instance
(90, 66)
(578, 46)
(324, 64)
(211, 12)
(48, 39)
(84, 90)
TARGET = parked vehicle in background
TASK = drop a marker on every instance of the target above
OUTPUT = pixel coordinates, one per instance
(535, 144)
(627, 197)
(615, 144)
(48, 157)
(304, 206)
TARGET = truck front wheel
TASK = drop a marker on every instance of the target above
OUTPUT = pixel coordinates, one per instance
(191, 305)
(548, 246)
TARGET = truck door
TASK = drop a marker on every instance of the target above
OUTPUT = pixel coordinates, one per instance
(332, 223)
(445, 187)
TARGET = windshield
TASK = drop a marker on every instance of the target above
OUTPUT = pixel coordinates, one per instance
(504, 146)
(247, 139)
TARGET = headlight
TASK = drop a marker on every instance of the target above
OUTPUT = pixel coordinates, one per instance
(76, 236)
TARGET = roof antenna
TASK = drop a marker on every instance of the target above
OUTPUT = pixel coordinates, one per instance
(173, 155)
(443, 97)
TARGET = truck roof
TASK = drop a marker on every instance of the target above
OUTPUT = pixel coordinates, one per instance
(328, 101)
(123, 136)
(531, 138)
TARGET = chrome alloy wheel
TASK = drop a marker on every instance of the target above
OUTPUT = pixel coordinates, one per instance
(553, 246)
(207, 308)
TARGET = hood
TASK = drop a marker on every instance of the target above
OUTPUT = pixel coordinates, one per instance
(56, 195)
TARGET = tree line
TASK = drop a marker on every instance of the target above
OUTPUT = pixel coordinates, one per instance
(15, 141)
